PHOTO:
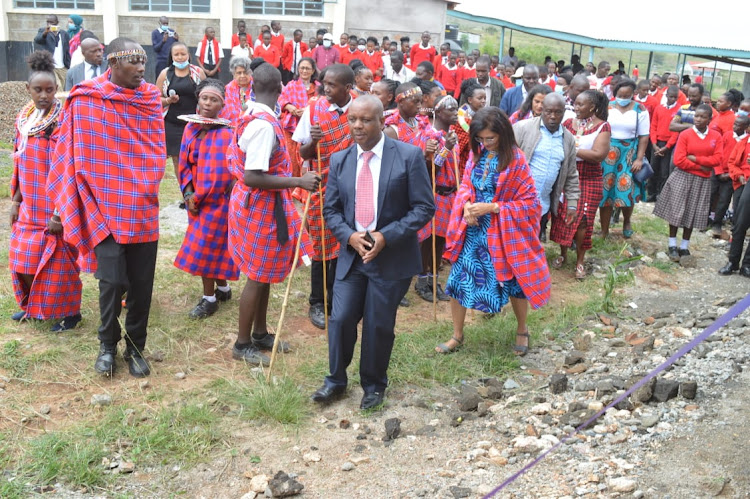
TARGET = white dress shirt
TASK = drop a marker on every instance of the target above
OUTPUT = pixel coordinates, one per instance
(375, 162)
(260, 135)
(402, 76)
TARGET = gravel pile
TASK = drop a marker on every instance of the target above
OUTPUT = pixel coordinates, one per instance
(13, 96)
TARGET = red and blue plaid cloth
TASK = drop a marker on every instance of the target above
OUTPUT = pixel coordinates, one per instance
(252, 226)
(56, 290)
(108, 164)
(513, 236)
(233, 100)
(295, 94)
(445, 177)
(336, 138)
(204, 164)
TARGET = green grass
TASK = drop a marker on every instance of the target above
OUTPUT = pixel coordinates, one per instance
(12, 360)
(278, 401)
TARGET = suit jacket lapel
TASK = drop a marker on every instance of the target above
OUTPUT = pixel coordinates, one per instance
(386, 167)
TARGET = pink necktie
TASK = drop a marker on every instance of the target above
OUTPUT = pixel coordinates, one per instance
(364, 207)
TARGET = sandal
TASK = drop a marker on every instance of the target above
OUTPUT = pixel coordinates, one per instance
(521, 350)
(627, 233)
(445, 349)
(580, 272)
(558, 262)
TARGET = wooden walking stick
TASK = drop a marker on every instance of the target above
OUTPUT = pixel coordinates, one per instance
(434, 256)
(323, 242)
(277, 340)
(455, 166)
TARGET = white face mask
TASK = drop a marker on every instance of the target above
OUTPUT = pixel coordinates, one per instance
(361, 48)
(326, 43)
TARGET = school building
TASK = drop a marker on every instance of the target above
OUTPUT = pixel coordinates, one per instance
(136, 19)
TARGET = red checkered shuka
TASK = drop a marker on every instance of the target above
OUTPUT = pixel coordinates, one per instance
(233, 100)
(203, 163)
(297, 95)
(513, 236)
(445, 177)
(336, 138)
(108, 163)
(252, 227)
(416, 137)
(56, 290)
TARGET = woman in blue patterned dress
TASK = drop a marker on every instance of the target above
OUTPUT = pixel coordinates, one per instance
(492, 237)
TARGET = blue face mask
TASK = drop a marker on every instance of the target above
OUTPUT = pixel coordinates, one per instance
(623, 102)
(164, 28)
(71, 26)
(180, 65)
(742, 113)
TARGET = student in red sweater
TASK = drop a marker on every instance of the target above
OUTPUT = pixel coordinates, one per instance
(449, 74)
(722, 184)
(465, 72)
(441, 60)
(372, 58)
(277, 39)
(241, 28)
(642, 95)
(292, 54)
(660, 136)
(739, 171)
(724, 120)
(352, 52)
(270, 53)
(685, 199)
(343, 45)
(422, 51)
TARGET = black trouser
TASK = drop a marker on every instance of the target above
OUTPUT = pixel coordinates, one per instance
(121, 268)
(742, 224)
(721, 196)
(286, 75)
(316, 281)
(662, 166)
(160, 65)
(543, 226)
(736, 202)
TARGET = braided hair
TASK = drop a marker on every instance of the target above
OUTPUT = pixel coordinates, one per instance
(600, 102)
(209, 82)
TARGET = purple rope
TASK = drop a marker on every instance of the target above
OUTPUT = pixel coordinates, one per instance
(733, 312)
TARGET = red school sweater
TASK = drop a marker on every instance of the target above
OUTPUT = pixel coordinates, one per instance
(708, 151)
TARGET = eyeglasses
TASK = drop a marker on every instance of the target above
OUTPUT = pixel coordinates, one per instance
(486, 140)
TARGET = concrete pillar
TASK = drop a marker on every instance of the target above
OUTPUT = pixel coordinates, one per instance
(746, 84)
(591, 55)
(110, 17)
(225, 12)
(502, 42)
(5, 6)
(339, 17)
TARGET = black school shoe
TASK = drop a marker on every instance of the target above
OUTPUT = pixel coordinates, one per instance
(251, 355)
(673, 254)
(316, 315)
(137, 365)
(223, 296)
(265, 342)
(204, 309)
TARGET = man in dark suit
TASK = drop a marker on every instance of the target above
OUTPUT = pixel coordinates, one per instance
(492, 86)
(92, 66)
(514, 97)
(56, 41)
(378, 196)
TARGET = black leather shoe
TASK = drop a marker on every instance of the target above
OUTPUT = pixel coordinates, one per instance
(66, 324)
(441, 294)
(683, 252)
(105, 362)
(18, 316)
(745, 271)
(326, 394)
(137, 365)
(423, 287)
(372, 400)
(317, 317)
(266, 343)
(251, 355)
(204, 309)
(728, 269)
(404, 302)
(223, 295)
(673, 254)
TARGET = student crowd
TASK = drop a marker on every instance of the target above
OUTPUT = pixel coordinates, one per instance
(452, 155)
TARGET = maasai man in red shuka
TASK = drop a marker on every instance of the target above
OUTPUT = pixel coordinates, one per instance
(293, 101)
(205, 182)
(43, 266)
(405, 126)
(104, 180)
(442, 147)
(493, 235)
(324, 127)
(263, 222)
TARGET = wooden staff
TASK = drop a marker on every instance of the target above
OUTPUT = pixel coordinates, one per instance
(455, 165)
(434, 256)
(323, 241)
(276, 340)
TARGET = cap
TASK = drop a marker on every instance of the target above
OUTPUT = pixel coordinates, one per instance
(518, 73)
(328, 36)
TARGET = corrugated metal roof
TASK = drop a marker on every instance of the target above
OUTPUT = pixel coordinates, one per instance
(660, 28)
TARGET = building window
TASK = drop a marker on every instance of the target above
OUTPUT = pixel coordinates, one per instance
(284, 7)
(171, 5)
(55, 4)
